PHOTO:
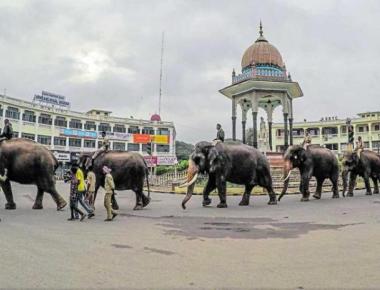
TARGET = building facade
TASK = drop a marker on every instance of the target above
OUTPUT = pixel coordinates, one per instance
(67, 133)
(331, 132)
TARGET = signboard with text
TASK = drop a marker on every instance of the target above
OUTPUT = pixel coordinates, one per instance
(78, 133)
(51, 99)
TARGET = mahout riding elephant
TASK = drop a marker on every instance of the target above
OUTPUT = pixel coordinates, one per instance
(236, 163)
(129, 171)
(28, 162)
(366, 166)
(314, 161)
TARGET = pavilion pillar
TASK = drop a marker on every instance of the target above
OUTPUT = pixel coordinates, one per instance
(254, 117)
(286, 144)
(270, 135)
(233, 119)
(243, 123)
(290, 131)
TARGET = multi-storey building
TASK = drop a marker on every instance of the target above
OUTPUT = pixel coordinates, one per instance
(67, 133)
(331, 132)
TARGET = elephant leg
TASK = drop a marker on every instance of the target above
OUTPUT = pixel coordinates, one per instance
(61, 203)
(38, 202)
(247, 193)
(351, 185)
(7, 189)
(210, 186)
(95, 194)
(335, 186)
(305, 187)
(318, 192)
(376, 185)
(367, 184)
(221, 185)
(139, 199)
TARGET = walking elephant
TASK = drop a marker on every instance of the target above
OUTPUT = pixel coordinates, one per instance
(236, 163)
(129, 171)
(366, 166)
(28, 162)
(314, 161)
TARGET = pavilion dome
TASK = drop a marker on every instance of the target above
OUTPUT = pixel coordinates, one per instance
(155, 117)
(261, 52)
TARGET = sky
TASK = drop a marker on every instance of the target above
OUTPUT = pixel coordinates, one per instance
(106, 55)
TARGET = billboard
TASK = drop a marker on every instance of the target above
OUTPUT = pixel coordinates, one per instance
(78, 133)
(146, 138)
(141, 138)
(153, 161)
(51, 99)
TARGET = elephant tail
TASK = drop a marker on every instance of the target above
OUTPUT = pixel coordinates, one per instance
(147, 182)
(147, 177)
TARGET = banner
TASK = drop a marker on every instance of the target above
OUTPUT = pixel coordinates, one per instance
(141, 138)
(64, 157)
(52, 99)
(78, 133)
(151, 161)
(167, 160)
(119, 136)
(160, 139)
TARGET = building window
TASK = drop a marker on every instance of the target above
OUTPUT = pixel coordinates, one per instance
(75, 124)
(313, 131)
(90, 125)
(333, 146)
(145, 146)
(298, 132)
(46, 140)
(1, 110)
(376, 145)
(163, 131)
(15, 134)
(12, 113)
(330, 131)
(133, 130)
(28, 136)
(89, 143)
(280, 133)
(119, 128)
(29, 116)
(147, 130)
(133, 147)
(376, 127)
(362, 129)
(74, 142)
(104, 127)
(60, 141)
(343, 129)
(60, 121)
(119, 146)
(100, 143)
(45, 119)
(162, 148)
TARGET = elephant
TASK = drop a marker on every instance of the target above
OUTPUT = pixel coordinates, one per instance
(28, 162)
(367, 166)
(313, 161)
(236, 163)
(129, 171)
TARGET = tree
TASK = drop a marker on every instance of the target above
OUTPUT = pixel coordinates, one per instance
(183, 150)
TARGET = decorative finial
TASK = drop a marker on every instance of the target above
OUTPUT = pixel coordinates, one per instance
(261, 29)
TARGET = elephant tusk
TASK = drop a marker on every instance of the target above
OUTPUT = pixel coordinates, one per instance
(187, 184)
(290, 171)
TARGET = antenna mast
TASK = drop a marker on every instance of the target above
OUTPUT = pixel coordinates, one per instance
(162, 58)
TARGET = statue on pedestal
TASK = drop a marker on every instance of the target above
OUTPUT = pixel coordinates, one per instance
(263, 136)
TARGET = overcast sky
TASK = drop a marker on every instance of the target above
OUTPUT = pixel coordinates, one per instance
(106, 54)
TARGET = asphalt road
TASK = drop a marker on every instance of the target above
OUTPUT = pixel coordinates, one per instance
(320, 244)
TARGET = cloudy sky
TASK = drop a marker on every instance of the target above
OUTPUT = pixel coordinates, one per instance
(106, 54)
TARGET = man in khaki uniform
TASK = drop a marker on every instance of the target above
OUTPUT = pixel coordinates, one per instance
(91, 182)
(109, 187)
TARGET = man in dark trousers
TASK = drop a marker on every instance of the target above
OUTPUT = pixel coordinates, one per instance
(220, 133)
(7, 133)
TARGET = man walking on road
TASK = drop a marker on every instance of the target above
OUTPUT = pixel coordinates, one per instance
(74, 196)
(81, 192)
(109, 187)
(91, 182)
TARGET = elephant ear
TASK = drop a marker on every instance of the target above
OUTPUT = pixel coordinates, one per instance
(215, 160)
(302, 155)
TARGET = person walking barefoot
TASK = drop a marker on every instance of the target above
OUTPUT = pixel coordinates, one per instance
(109, 187)
(74, 196)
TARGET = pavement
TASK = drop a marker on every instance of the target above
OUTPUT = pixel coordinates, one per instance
(327, 243)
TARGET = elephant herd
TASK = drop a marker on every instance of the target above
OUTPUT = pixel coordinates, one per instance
(28, 162)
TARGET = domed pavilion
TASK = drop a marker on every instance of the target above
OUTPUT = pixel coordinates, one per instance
(263, 83)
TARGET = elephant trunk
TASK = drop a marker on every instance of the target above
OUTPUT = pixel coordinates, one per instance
(345, 181)
(287, 171)
(192, 176)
